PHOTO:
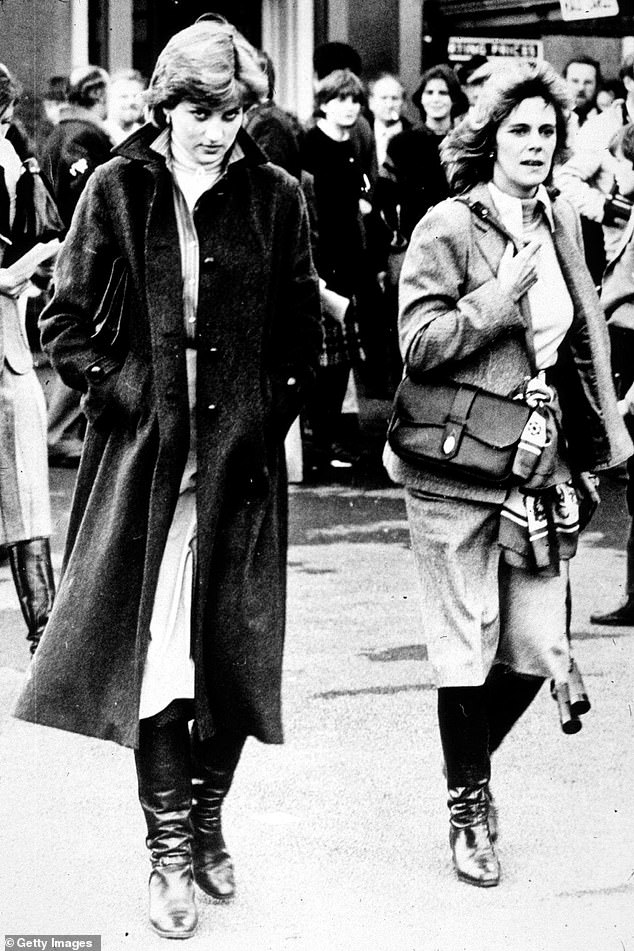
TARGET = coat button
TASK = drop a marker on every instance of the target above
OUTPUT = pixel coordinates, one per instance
(209, 262)
(291, 381)
(212, 408)
(213, 351)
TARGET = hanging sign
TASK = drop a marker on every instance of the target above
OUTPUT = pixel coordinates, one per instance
(462, 48)
(588, 9)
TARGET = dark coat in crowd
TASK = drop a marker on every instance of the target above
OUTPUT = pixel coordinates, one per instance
(74, 149)
(412, 178)
(258, 339)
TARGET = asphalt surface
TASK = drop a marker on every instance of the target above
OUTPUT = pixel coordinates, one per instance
(340, 836)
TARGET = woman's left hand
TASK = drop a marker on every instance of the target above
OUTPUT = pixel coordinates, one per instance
(11, 286)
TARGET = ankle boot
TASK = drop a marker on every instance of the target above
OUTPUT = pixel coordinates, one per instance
(33, 578)
(164, 776)
(213, 766)
(474, 856)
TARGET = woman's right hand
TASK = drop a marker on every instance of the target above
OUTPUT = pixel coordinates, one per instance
(518, 272)
(11, 286)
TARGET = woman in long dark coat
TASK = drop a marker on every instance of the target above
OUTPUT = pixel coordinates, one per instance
(172, 601)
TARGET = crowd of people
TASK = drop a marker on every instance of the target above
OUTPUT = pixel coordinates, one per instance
(221, 268)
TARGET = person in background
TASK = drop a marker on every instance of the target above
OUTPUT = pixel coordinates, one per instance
(386, 101)
(329, 154)
(276, 131)
(617, 298)
(25, 516)
(494, 293)
(125, 106)
(587, 178)
(54, 98)
(75, 148)
(332, 56)
(471, 75)
(609, 90)
(583, 77)
(440, 100)
(175, 564)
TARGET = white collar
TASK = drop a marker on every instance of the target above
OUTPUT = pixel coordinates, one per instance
(163, 145)
(510, 208)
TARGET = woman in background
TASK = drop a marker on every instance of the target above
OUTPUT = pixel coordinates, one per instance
(25, 517)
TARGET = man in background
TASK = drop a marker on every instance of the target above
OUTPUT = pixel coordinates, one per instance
(73, 150)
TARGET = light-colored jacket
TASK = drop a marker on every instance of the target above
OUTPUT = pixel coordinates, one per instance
(586, 179)
(456, 320)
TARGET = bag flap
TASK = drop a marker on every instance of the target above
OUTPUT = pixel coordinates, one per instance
(493, 420)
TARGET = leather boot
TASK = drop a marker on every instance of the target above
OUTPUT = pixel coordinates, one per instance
(32, 572)
(474, 856)
(214, 763)
(164, 776)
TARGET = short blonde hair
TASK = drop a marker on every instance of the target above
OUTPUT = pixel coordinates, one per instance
(209, 63)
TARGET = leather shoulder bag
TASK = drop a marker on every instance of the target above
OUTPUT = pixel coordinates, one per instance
(459, 428)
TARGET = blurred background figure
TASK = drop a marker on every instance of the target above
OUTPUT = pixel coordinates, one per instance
(610, 90)
(125, 104)
(27, 216)
(276, 131)
(587, 178)
(617, 297)
(583, 78)
(440, 100)
(329, 154)
(471, 75)
(54, 98)
(74, 149)
(329, 57)
(386, 101)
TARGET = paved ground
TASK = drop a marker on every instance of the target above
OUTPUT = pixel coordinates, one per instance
(340, 836)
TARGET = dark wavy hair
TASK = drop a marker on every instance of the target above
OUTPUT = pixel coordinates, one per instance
(459, 101)
(468, 151)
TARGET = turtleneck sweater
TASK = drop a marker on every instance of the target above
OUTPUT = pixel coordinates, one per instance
(193, 178)
(549, 301)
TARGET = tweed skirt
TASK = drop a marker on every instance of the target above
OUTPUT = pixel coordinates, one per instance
(476, 609)
(25, 510)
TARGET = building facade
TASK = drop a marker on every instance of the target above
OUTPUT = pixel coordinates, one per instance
(43, 38)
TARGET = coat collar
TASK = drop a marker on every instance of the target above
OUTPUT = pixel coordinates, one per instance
(138, 147)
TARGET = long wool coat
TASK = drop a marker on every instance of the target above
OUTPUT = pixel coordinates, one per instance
(258, 340)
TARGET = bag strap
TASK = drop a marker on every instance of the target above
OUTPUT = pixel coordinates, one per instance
(457, 420)
(480, 210)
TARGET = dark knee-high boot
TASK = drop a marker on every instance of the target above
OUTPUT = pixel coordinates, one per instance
(462, 718)
(214, 763)
(164, 775)
(508, 696)
(32, 572)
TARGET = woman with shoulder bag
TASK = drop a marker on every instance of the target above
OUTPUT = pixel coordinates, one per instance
(171, 606)
(27, 217)
(495, 294)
